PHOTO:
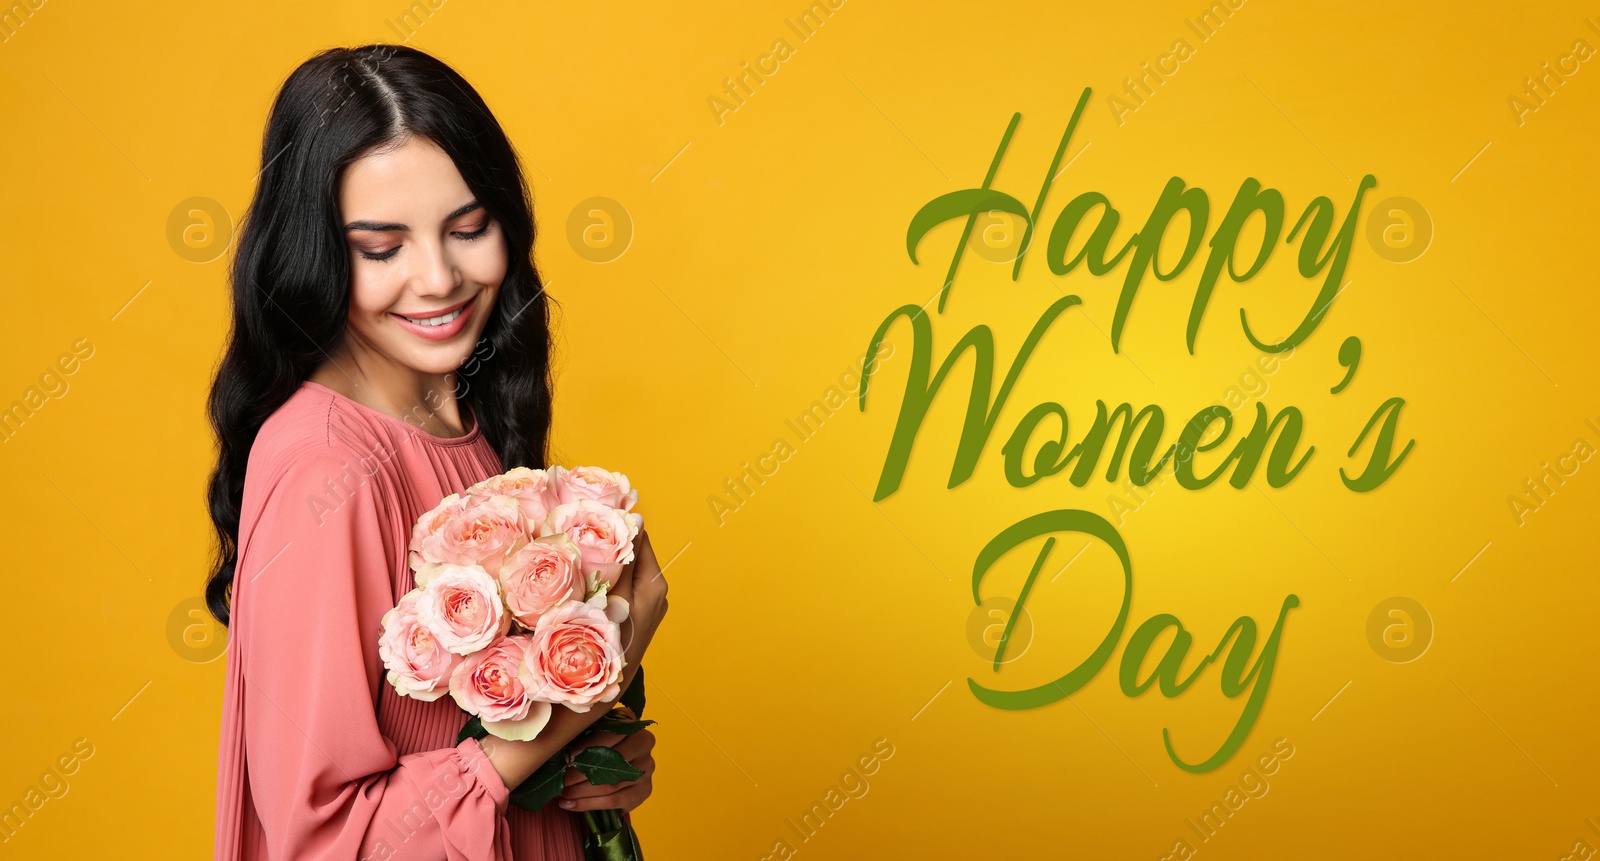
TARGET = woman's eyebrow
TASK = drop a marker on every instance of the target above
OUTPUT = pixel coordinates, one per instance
(459, 211)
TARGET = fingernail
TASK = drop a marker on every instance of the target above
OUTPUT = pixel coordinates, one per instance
(568, 804)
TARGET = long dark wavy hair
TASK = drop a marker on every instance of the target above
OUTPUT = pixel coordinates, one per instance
(290, 275)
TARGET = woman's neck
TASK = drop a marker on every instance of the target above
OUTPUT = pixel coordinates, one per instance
(425, 400)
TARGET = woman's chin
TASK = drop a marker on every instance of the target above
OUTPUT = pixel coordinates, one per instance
(437, 360)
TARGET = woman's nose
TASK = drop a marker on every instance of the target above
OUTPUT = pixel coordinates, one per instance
(435, 274)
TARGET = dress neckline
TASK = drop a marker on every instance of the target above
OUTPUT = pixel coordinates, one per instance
(467, 438)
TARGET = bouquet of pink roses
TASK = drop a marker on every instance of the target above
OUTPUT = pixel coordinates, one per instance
(512, 616)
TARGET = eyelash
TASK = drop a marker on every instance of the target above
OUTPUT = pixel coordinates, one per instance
(388, 255)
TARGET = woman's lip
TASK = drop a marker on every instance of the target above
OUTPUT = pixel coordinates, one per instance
(440, 333)
(431, 314)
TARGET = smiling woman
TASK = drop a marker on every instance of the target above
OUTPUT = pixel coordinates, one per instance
(426, 262)
(390, 232)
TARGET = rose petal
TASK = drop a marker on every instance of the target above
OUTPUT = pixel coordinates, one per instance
(521, 730)
(617, 609)
(420, 696)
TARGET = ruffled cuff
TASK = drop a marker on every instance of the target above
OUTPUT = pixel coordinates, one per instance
(479, 766)
(469, 801)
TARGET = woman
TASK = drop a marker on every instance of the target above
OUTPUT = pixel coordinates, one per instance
(389, 346)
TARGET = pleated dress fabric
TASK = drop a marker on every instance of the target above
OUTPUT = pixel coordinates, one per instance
(318, 758)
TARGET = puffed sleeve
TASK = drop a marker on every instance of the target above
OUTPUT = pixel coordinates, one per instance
(313, 585)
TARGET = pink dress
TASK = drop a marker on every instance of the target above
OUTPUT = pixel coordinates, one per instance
(319, 758)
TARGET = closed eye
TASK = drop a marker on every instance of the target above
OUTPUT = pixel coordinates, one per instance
(475, 234)
(380, 256)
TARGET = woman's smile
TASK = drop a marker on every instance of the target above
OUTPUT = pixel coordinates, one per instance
(440, 325)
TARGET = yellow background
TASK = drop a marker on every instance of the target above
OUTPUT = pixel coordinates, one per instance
(810, 623)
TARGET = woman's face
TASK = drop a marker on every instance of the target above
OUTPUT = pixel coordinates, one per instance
(426, 260)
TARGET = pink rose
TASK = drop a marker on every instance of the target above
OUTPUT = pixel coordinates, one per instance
(604, 536)
(575, 656)
(419, 665)
(427, 525)
(478, 530)
(461, 607)
(544, 573)
(592, 482)
(493, 685)
(533, 489)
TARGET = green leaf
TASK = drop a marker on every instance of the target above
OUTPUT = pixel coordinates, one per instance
(604, 765)
(472, 729)
(633, 697)
(611, 722)
(542, 786)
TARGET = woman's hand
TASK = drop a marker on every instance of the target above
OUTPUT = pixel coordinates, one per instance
(580, 794)
(644, 587)
(645, 590)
